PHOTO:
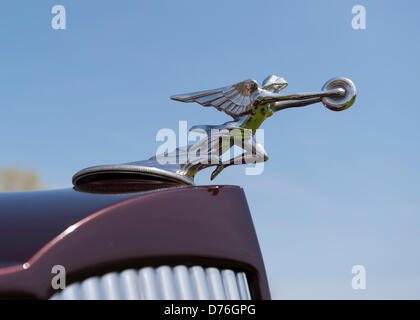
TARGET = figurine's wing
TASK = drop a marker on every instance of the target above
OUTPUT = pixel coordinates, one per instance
(233, 100)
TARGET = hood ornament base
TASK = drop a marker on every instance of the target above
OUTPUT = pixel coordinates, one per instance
(143, 170)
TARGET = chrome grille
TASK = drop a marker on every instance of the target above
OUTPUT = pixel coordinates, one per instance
(167, 283)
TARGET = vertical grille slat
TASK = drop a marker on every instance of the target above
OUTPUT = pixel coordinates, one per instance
(215, 284)
(200, 283)
(91, 289)
(243, 286)
(148, 287)
(184, 284)
(130, 284)
(111, 286)
(72, 292)
(231, 285)
(164, 282)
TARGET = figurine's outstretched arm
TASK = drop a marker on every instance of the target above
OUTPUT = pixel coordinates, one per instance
(269, 97)
(337, 94)
(281, 105)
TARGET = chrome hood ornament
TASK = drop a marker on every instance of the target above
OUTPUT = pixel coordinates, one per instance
(249, 105)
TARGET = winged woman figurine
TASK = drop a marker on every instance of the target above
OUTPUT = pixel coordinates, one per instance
(249, 106)
(246, 103)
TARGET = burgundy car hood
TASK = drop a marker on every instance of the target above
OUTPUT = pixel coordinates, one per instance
(92, 233)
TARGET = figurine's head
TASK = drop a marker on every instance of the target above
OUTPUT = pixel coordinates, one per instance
(274, 83)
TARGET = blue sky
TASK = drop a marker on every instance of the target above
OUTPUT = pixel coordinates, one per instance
(340, 189)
